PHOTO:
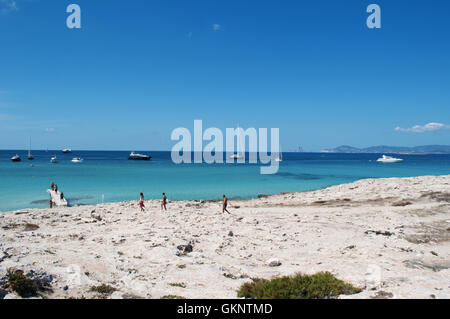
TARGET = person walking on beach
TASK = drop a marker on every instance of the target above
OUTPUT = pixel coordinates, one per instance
(225, 204)
(141, 202)
(52, 186)
(164, 202)
(56, 189)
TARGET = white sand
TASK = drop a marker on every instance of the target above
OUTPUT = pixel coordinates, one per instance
(307, 232)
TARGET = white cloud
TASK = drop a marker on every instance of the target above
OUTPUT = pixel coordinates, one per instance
(216, 27)
(190, 35)
(50, 129)
(8, 6)
(430, 127)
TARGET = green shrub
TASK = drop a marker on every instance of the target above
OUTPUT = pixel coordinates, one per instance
(21, 284)
(319, 286)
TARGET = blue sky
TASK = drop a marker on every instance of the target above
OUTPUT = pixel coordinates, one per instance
(138, 69)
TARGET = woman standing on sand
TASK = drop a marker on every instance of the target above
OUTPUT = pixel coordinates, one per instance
(141, 202)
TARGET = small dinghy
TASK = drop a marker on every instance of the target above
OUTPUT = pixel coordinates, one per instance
(16, 158)
(54, 160)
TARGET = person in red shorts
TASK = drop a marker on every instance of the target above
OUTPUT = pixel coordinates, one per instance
(141, 203)
(164, 202)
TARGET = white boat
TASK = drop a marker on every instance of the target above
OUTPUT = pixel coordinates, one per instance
(67, 151)
(280, 157)
(389, 159)
(139, 157)
(16, 158)
(54, 159)
(77, 160)
(240, 154)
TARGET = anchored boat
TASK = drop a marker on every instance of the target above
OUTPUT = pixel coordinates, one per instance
(139, 157)
(389, 159)
(77, 160)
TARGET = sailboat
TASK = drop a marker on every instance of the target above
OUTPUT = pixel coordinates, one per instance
(30, 157)
(241, 154)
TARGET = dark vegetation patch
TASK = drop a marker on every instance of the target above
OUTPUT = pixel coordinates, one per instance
(26, 285)
(333, 202)
(379, 232)
(401, 203)
(10, 226)
(319, 286)
(103, 289)
(25, 227)
(30, 227)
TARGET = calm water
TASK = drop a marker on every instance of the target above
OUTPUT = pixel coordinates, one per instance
(109, 176)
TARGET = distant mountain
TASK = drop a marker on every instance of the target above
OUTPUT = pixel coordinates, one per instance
(428, 149)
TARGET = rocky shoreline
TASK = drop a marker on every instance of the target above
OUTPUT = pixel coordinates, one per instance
(389, 237)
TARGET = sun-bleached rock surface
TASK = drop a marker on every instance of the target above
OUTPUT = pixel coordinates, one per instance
(390, 237)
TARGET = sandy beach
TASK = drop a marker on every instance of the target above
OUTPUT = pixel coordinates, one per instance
(389, 237)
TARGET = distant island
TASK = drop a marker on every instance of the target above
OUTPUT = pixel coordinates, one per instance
(426, 149)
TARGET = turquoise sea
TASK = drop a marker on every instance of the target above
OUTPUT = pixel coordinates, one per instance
(108, 176)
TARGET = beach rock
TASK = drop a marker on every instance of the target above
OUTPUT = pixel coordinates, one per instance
(378, 232)
(96, 216)
(11, 296)
(382, 295)
(184, 249)
(373, 277)
(116, 295)
(273, 262)
(434, 265)
(3, 293)
(41, 277)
